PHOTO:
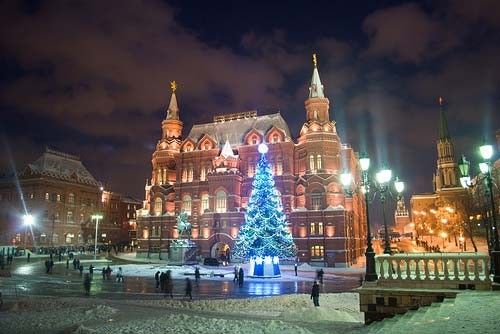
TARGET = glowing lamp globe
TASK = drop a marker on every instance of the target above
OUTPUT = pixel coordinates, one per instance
(486, 151)
(28, 220)
(263, 148)
(346, 179)
(399, 185)
(384, 176)
(364, 162)
(484, 168)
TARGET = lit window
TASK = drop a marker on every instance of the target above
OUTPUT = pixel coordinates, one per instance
(317, 251)
(71, 198)
(190, 174)
(312, 229)
(279, 167)
(69, 238)
(311, 164)
(320, 228)
(186, 204)
(220, 197)
(203, 174)
(251, 169)
(254, 140)
(69, 217)
(318, 162)
(55, 238)
(184, 175)
(58, 197)
(158, 208)
(276, 138)
(207, 146)
(47, 196)
(204, 203)
(316, 201)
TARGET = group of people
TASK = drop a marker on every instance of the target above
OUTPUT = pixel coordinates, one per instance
(49, 264)
(427, 247)
(239, 276)
(165, 283)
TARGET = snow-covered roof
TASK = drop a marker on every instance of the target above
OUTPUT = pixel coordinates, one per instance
(61, 166)
(235, 130)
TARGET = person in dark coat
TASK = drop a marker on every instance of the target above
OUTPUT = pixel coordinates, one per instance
(295, 268)
(169, 284)
(315, 293)
(80, 268)
(103, 273)
(197, 275)
(241, 277)
(157, 279)
(320, 276)
(163, 278)
(86, 284)
(67, 263)
(29, 255)
(51, 265)
(74, 264)
(235, 279)
(189, 289)
(91, 270)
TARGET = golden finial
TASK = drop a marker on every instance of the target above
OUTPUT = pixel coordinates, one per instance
(315, 60)
(173, 86)
(441, 101)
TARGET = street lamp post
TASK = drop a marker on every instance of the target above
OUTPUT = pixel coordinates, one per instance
(346, 179)
(96, 217)
(485, 167)
(28, 221)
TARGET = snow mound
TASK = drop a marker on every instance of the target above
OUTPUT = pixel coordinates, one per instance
(101, 311)
(318, 314)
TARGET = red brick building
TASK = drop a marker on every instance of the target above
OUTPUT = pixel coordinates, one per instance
(209, 175)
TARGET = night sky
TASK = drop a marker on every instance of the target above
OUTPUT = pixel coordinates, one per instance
(91, 78)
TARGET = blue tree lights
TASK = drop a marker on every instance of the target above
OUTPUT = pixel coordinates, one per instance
(264, 238)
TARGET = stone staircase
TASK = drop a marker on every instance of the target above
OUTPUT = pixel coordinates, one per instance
(469, 312)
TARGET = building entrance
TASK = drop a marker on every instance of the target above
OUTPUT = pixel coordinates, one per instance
(221, 251)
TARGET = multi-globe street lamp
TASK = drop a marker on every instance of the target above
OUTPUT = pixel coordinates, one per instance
(486, 151)
(96, 217)
(28, 221)
(383, 178)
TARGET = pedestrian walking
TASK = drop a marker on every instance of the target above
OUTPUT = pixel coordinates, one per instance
(47, 266)
(74, 264)
(197, 275)
(86, 284)
(67, 263)
(119, 275)
(320, 276)
(103, 273)
(241, 277)
(91, 270)
(169, 284)
(80, 268)
(51, 265)
(157, 279)
(163, 278)
(29, 255)
(315, 293)
(295, 268)
(189, 289)
(235, 279)
(108, 272)
(60, 257)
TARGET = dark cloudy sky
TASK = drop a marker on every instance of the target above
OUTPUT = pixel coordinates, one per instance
(92, 77)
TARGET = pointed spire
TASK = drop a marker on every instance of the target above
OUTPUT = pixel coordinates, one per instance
(173, 109)
(443, 124)
(227, 151)
(316, 88)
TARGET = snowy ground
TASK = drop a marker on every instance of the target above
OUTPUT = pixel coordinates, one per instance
(283, 314)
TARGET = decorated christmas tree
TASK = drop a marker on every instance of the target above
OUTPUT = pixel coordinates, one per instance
(264, 238)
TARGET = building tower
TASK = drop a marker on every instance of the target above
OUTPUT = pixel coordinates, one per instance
(169, 145)
(447, 170)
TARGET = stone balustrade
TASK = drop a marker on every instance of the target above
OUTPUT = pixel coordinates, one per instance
(434, 270)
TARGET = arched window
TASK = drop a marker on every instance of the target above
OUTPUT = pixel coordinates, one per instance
(220, 200)
(71, 198)
(276, 138)
(316, 200)
(190, 173)
(186, 204)
(184, 175)
(203, 173)
(318, 162)
(205, 205)
(279, 166)
(311, 164)
(158, 208)
(251, 168)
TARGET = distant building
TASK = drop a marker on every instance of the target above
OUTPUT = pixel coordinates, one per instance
(446, 208)
(62, 196)
(209, 175)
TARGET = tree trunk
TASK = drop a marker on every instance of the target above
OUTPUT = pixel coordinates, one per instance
(469, 231)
